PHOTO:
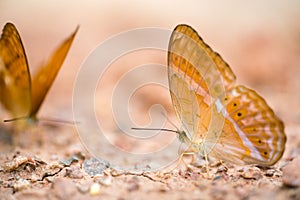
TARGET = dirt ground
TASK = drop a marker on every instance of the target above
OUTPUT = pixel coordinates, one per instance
(52, 160)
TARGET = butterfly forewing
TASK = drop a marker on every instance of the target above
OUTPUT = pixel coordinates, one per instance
(44, 78)
(189, 35)
(14, 73)
(197, 70)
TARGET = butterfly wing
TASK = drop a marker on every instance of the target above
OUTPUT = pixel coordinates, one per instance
(202, 56)
(252, 133)
(195, 83)
(44, 78)
(15, 85)
(234, 123)
(184, 102)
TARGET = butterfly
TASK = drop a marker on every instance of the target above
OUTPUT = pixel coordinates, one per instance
(219, 118)
(21, 94)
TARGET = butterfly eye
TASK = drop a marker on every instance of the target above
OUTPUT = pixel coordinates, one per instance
(182, 136)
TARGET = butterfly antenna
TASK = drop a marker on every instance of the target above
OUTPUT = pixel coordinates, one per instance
(155, 129)
(161, 129)
(168, 119)
(52, 120)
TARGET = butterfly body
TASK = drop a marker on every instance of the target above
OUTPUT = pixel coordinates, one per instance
(21, 94)
(219, 118)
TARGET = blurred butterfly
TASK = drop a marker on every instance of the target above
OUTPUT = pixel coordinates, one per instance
(218, 117)
(21, 94)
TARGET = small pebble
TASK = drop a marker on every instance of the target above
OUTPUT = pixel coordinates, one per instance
(95, 189)
(69, 161)
(74, 172)
(105, 180)
(34, 178)
(270, 172)
(133, 184)
(83, 188)
(222, 168)
(290, 173)
(15, 163)
(95, 166)
(20, 185)
(251, 173)
(63, 188)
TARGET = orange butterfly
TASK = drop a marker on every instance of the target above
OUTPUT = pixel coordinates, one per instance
(219, 118)
(19, 94)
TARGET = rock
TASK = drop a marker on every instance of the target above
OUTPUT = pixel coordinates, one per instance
(95, 166)
(251, 173)
(20, 185)
(104, 180)
(95, 189)
(74, 172)
(291, 174)
(62, 189)
(69, 161)
(15, 163)
(133, 184)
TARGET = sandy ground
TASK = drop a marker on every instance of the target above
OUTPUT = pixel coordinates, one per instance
(55, 160)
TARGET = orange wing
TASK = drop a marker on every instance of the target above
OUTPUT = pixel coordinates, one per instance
(230, 122)
(252, 133)
(195, 80)
(15, 82)
(44, 78)
(190, 43)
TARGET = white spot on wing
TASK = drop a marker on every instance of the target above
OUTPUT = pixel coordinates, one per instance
(219, 105)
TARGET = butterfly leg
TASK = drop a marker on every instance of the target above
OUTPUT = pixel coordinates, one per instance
(206, 165)
(179, 160)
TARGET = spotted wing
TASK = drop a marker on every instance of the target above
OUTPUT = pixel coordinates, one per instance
(252, 133)
(231, 122)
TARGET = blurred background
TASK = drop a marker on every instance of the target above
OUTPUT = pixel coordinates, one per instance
(259, 39)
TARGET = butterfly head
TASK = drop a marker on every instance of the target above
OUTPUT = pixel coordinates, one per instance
(182, 136)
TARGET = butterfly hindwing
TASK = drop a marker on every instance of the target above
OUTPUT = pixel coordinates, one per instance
(254, 126)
